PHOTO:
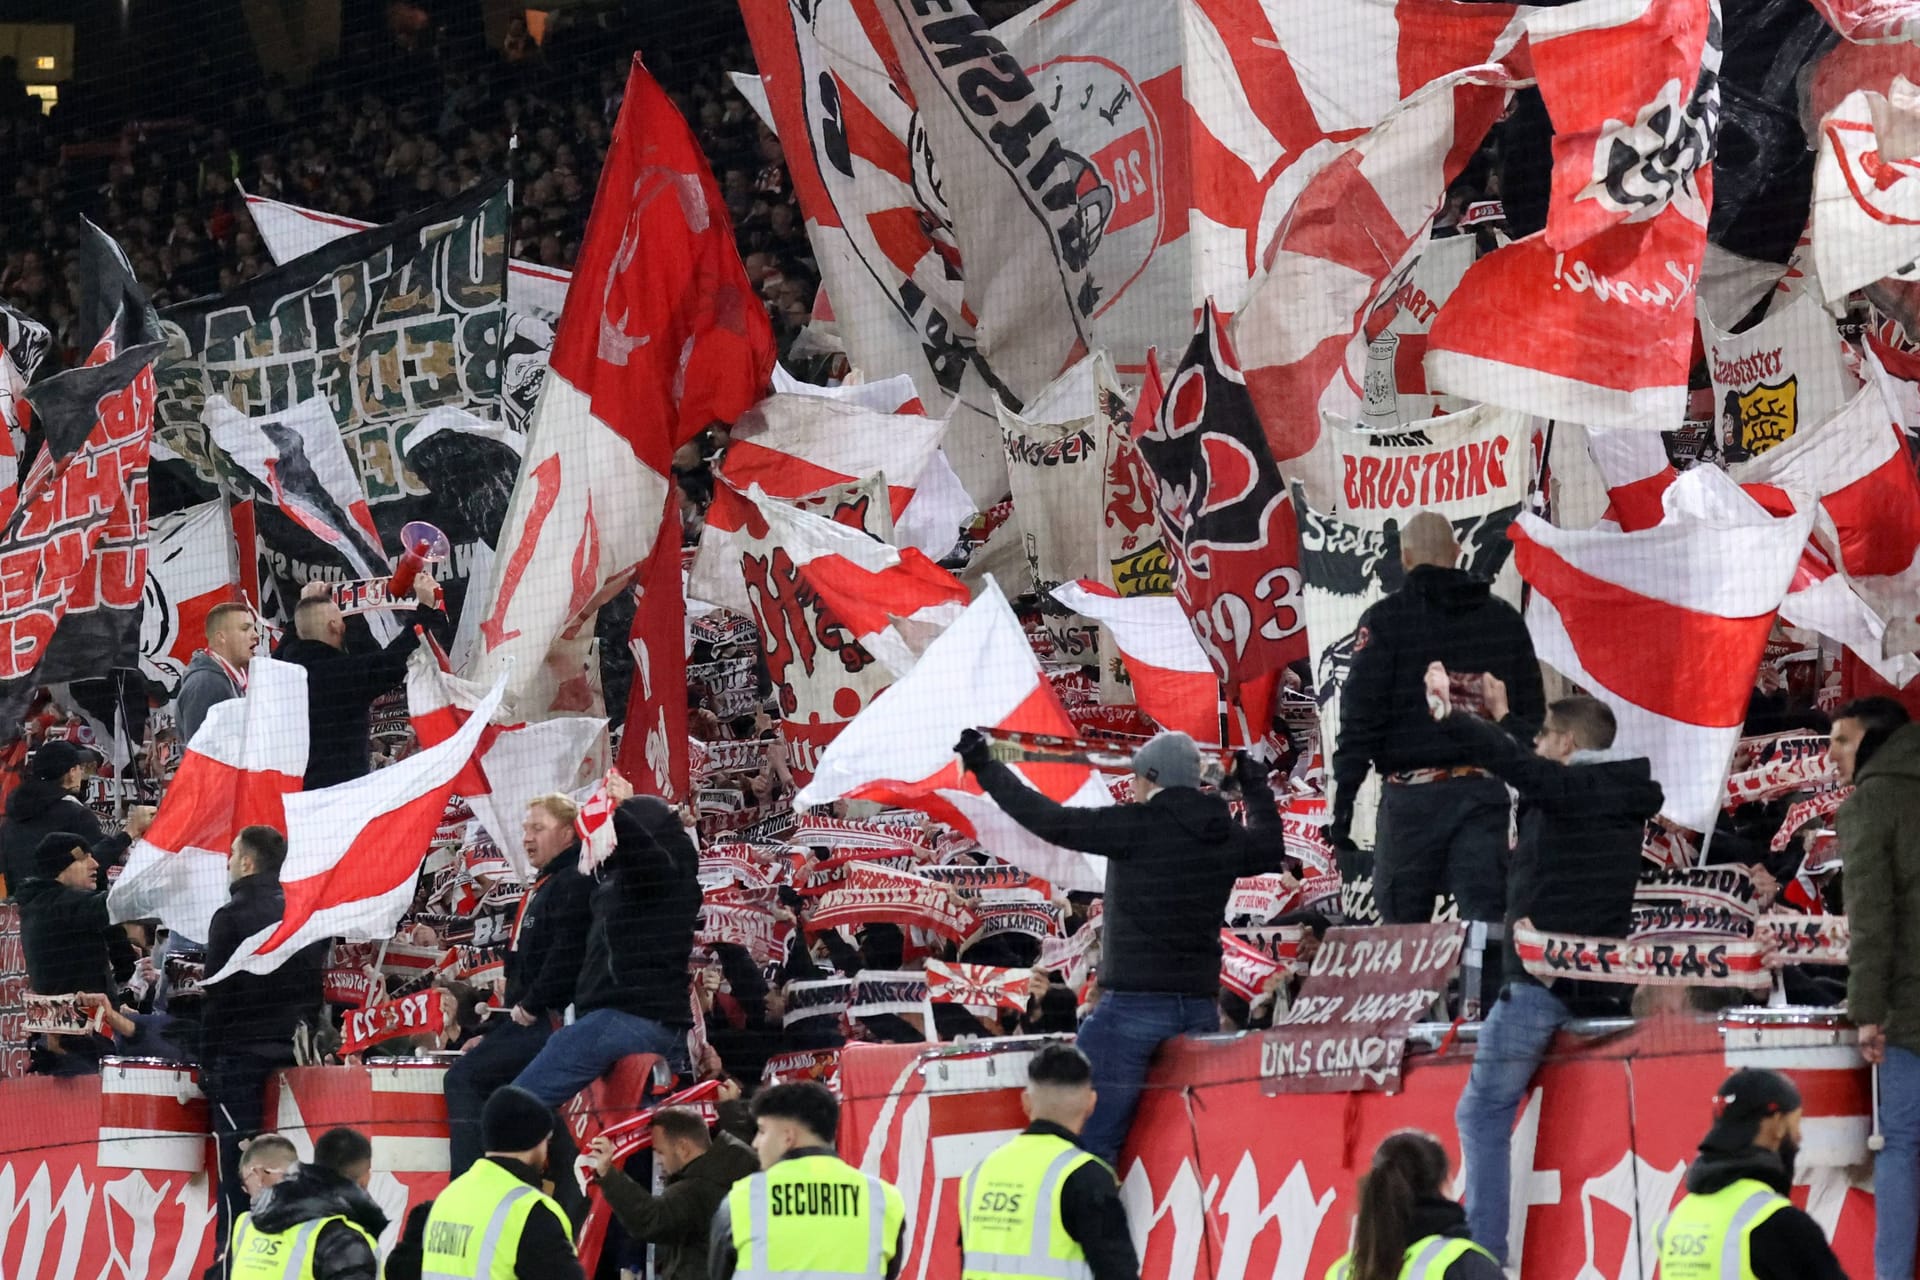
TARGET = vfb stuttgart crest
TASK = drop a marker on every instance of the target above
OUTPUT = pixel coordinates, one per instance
(1759, 419)
(1102, 117)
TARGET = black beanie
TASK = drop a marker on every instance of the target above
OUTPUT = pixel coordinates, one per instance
(514, 1120)
(54, 853)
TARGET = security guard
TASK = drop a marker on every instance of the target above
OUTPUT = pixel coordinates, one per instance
(493, 1222)
(807, 1212)
(1406, 1223)
(1736, 1222)
(318, 1223)
(1041, 1207)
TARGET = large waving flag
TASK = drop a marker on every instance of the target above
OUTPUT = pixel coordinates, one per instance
(248, 757)
(1350, 240)
(900, 750)
(1706, 581)
(661, 335)
(353, 850)
(513, 764)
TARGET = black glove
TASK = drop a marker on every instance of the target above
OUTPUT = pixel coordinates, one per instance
(1251, 774)
(1338, 834)
(973, 749)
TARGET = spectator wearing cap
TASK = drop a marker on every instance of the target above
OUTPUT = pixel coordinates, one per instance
(1876, 750)
(493, 1220)
(48, 800)
(1736, 1220)
(63, 920)
(1172, 859)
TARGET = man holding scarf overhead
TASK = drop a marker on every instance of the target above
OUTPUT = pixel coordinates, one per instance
(1172, 859)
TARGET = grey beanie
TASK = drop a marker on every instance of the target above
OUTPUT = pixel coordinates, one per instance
(1169, 760)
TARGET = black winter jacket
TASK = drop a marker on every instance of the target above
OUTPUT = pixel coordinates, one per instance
(644, 918)
(312, 1193)
(544, 968)
(341, 688)
(256, 1008)
(64, 933)
(1789, 1245)
(1578, 862)
(1171, 864)
(678, 1218)
(1439, 615)
(37, 809)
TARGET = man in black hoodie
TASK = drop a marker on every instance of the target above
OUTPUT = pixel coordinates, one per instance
(323, 1204)
(1172, 859)
(342, 686)
(542, 967)
(248, 1019)
(632, 996)
(1584, 808)
(1443, 819)
(63, 930)
(1736, 1201)
(48, 800)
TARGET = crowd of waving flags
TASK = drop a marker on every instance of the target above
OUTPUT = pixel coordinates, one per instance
(1003, 272)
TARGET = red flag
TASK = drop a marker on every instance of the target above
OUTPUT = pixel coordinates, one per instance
(661, 335)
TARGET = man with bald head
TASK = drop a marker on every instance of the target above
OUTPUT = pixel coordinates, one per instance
(1443, 821)
(342, 684)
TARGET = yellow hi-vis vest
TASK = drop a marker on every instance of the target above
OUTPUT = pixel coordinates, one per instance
(474, 1228)
(1709, 1237)
(1010, 1225)
(814, 1216)
(1427, 1259)
(282, 1255)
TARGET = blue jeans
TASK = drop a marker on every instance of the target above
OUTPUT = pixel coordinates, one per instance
(1896, 1169)
(1513, 1040)
(1119, 1037)
(502, 1054)
(574, 1057)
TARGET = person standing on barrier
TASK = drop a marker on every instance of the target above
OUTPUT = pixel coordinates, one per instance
(1172, 859)
(318, 1223)
(1736, 1222)
(1874, 748)
(1042, 1207)
(1584, 807)
(1444, 820)
(1407, 1225)
(493, 1222)
(807, 1212)
(544, 954)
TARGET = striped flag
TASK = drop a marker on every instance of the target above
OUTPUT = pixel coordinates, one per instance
(353, 850)
(1706, 582)
(248, 757)
(982, 988)
(900, 749)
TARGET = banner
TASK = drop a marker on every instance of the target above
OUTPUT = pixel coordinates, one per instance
(1553, 956)
(764, 937)
(73, 551)
(1716, 900)
(1769, 769)
(1783, 373)
(1471, 467)
(383, 326)
(1227, 516)
(420, 1014)
(1807, 939)
(982, 988)
(190, 569)
(824, 998)
(1347, 1027)
(881, 895)
(1058, 465)
(1245, 968)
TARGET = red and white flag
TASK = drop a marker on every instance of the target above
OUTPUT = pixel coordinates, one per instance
(354, 850)
(514, 763)
(1351, 238)
(1172, 680)
(1607, 290)
(900, 749)
(1245, 968)
(419, 1014)
(661, 335)
(983, 988)
(1706, 581)
(793, 445)
(1866, 190)
(190, 569)
(248, 757)
(1856, 463)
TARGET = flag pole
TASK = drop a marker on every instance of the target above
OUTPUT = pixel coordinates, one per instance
(1225, 714)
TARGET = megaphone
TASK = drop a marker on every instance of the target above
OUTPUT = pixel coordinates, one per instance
(425, 545)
